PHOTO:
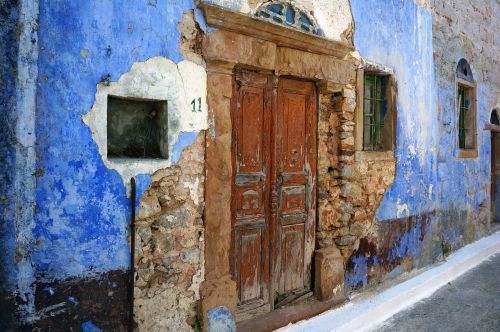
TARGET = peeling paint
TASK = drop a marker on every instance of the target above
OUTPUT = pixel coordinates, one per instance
(155, 79)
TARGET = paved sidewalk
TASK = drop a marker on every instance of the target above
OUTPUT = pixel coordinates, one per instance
(469, 303)
(371, 309)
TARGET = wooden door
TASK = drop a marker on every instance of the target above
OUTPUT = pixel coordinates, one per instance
(273, 193)
(295, 178)
(251, 119)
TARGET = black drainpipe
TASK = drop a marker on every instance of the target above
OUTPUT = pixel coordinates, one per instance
(132, 250)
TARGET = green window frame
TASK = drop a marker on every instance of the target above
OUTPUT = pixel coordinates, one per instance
(464, 109)
(374, 111)
(466, 116)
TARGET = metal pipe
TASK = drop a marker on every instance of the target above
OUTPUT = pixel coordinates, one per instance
(132, 251)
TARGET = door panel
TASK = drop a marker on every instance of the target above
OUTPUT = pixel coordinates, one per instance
(273, 194)
(250, 245)
(250, 215)
(292, 258)
(295, 134)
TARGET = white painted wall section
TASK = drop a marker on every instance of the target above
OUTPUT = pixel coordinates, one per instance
(160, 79)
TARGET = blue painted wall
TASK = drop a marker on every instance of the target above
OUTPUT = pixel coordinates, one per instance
(432, 183)
(398, 35)
(9, 47)
(82, 214)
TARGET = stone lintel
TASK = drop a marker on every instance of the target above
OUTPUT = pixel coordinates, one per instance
(222, 18)
(328, 87)
(227, 46)
(314, 66)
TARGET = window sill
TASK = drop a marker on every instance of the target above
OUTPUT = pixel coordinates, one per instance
(467, 154)
(374, 155)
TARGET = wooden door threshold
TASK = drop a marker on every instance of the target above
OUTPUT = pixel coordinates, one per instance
(286, 315)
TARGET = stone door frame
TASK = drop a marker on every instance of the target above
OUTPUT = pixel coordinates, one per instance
(249, 42)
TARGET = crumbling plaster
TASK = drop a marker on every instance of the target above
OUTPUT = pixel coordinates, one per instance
(72, 210)
(438, 202)
(157, 79)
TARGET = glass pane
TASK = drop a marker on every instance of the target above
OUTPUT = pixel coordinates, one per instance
(275, 8)
(367, 137)
(304, 19)
(469, 120)
(264, 14)
(466, 119)
(290, 15)
(375, 110)
(368, 87)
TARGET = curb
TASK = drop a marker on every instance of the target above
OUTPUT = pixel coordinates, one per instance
(364, 313)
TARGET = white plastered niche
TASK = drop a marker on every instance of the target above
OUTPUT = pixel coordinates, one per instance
(157, 78)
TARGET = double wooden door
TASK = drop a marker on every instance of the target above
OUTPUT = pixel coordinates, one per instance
(273, 189)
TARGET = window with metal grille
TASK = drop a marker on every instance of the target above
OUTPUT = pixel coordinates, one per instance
(374, 111)
(287, 15)
(466, 108)
(465, 119)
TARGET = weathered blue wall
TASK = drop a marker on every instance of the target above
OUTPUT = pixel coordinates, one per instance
(438, 202)
(398, 35)
(9, 46)
(83, 209)
(82, 213)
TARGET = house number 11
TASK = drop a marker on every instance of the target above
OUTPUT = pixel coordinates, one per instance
(193, 102)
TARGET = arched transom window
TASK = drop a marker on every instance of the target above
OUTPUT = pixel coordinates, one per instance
(286, 14)
(494, 118)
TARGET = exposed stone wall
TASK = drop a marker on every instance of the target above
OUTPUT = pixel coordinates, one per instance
(169, 234)
(169, 250)
(350, 186)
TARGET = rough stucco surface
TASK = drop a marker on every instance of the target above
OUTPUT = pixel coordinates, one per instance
(155, 79)
(169, 245)
(334, 17)
(438, 202)
(466, 29)
(67, 239)
(9, 52)
(9, 46)
(79, 231)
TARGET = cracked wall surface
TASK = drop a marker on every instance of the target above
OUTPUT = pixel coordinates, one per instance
(438, 201)
(170, 245)
(66, 238)
(75, 248)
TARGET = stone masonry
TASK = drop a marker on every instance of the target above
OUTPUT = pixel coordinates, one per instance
(350, 187)
(169, 249)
